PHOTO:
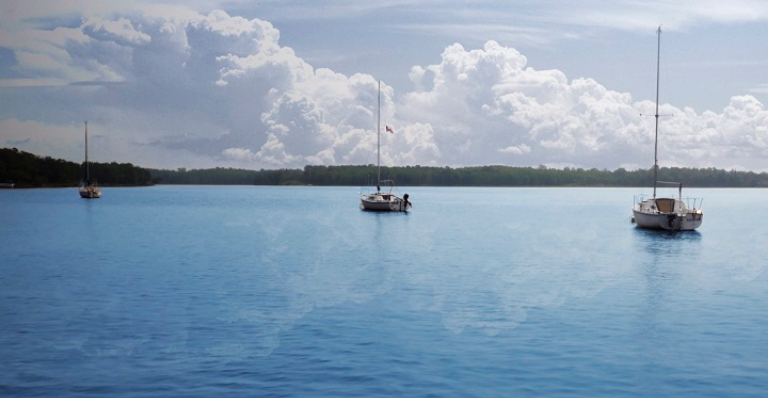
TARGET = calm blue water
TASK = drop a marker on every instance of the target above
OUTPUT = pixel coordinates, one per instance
(295, 292)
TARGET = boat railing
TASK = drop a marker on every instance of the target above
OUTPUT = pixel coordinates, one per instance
(638, 198)
(695, 201)
(692, 203)
(381, 187)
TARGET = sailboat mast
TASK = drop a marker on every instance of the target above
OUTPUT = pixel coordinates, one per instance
(656, 140)
(86, 152)
(378, 133)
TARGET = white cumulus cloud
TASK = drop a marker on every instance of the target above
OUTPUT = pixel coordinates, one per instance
(487, 106)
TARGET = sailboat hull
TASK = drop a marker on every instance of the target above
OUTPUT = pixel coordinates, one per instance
(379, 202)
(686, 221)
(90, 192)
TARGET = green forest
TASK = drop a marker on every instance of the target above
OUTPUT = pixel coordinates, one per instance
(483, 176)
(29, 170)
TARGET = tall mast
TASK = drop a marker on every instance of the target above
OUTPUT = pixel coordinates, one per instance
(86, 151)
(378, 133)
(656, 140)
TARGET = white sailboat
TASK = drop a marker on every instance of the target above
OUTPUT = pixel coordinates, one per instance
(383, 201)
(672, 214)
(88, 188)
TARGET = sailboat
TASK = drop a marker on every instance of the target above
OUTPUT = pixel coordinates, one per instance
(672, 214)
(88, 188)
(383, 201)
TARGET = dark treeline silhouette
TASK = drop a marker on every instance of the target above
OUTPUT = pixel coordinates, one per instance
(228, 176)
(29, 170)
(501, 176)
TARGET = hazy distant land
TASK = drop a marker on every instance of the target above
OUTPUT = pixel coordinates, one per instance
(29, 170)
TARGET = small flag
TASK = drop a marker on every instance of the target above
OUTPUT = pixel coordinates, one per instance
(389, 129)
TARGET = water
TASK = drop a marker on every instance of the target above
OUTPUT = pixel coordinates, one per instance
(295, 292)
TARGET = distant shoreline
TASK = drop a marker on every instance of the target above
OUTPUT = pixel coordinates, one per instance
(27, 170)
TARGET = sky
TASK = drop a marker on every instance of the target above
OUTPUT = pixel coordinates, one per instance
(288, 83)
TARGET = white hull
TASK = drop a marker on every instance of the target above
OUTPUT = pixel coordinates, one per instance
(666, 214)
(384, 202)
(668, 221)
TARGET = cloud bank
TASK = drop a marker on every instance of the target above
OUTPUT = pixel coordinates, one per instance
(179, 88)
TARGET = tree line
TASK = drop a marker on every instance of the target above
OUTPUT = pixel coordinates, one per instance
(228, 176)
(480, 176)
(29, 170)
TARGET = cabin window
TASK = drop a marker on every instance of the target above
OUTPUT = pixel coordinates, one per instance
(665, 205)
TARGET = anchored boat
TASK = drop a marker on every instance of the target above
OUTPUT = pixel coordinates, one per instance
(88, 188)
(383, 201)
(673, 214)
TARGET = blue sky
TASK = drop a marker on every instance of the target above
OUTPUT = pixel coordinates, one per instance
(270, 84)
